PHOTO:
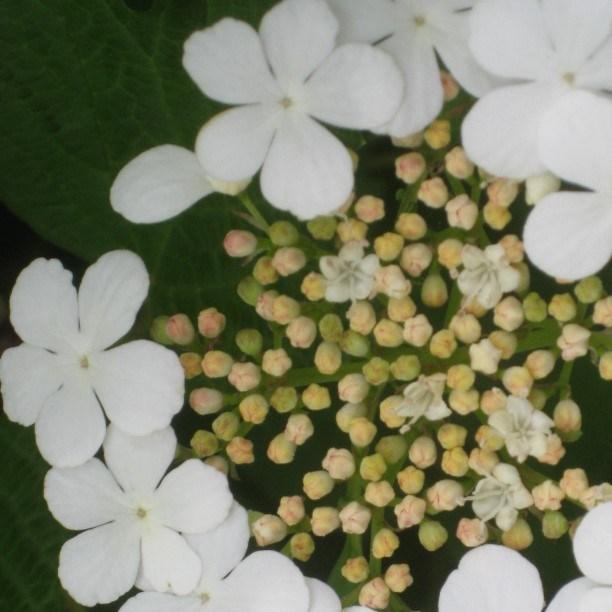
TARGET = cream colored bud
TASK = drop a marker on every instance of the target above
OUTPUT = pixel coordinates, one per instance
(254, 409)
(239, 243)
(563, 307)
(416, 258)
(211, 323)
(355, 518)
(434, 292)
(316, 397)
(324, 521)
(423, 453)
(204, 443)
(518, 381)
(384, 544)
(595, 495)
(505, 341)
(401, 309)
(602, 313)
(466, 327)
(460, 377)
(489, 439)
(464, 402)
(339, 463)
(388, 334)
(390, 281)
(240, 451)
(392, 448)
(244, 376)
(388, 246)
(445, 495)
(406, 368)
(555, 451)
(398, 577)
(206, 401)
(567, 416)
(443, 344)
(226, 426)
(354, 344)
(484, 357)
(449, 253)
(438, 134)
(432, 535)
(355, 569)
(317, 484)
(461, 212)
(410, 167)
(410, 511)
(191, 364)
(388, 411)
(573, 342)
(376, 371)
(217, 364)
(417, 330)
(375, 594)
(301, 332)
(353, 388)
(482, 461)
(269, 529)
(180, 330)
(347, 414)
(370, 209)
(503, 192)
(455, 462)
(538, 398)
(328, 358)
(288, 260)
(361, 432)
(508, 314)
(291, 510)
(301, 546)
(472, 532)
(284, 399)
(411, 226)
(263, 300)
(379, 494)
(574, 483)
(264, 271)
(362, 317)
(451, 436)
(433, 193)
(457, 164)
(281, 450)
(276, 362)
(372, 467)
(299, 428)
(284, 309)
(409, 141)
(513, 247)
(605, 366)
(411, 480)
(493, 400)
(313, 286)
(547, 496)
(540, 363)
(496, 217)
(519, 536)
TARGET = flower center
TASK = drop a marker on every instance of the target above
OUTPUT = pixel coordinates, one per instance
(419, 20)
(204, 597)
(569, 78)
(141, 513)
(84, 362)
(286, 102)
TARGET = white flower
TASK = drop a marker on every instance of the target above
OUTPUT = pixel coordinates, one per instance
(413, 32)
(486, 275)
(492, 578)
(64, 373)
(484, 356)
(423, 398)
(133, 520)
(350, 275)
(569, 234)
(500, 495)
(548, 48)
(283, 79)
(524, 429)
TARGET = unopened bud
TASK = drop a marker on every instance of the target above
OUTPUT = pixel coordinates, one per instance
(567, 416)
(317, 484)
(443, 344)
(291, 510)
(410, 167)
(375, 594)
(239, 243)
(244, 376)
(355, 518)
(434, 292)
(361, 432)
(445, 495)
(249, 290)
(519, 536)
(288, 260)
(432, 535)
(388, 411)
(264, 271)
(573, 342)
(370, 209)
(191, 363)
(417, 331)
(452, 436)
(547, 496)
(539, 186)
(384, 544)
(355, 569)
(351, 229)
(353, 388)
(540, 363)
(219, 463)
(496, 217)
(438, 134)
(423, 452)
(254, 409)
(472, 532)
(362, 317)
(206, 401)
(283, 234)
(535, 308)
(464, 402)
(508, 314)
(301, 332)
(316, 397)
(276, 362)
(574, 483)
(433, 192)
(339, 462)
(518, 381)
(455, 462)
(284, 399)
(449, 253)
(388, 246)
(563, 307)
(390, 281)
(388, 334)
(158, 331)
(411, 480)
(180, 330)
(324, 520)
(240, 451)
(466, 327)
(503, 192)
(372, 467)
(301, 546)
(554, 525)
(392, 448)
(482, 461)
(313, 287)
(379, 494)
(376, 371)
(299, 428)
(249, 341)
(347, 414)
(322, 228)
(204, 443)
(406, 368)
(411, 226)
(269, 529)
(602, 313)
(589, 290)
(461, 212)
(401, 309)
(354, 344)
(398, 577)
(226, 426)
(281, 450)
(284, 309)
(328, 358)
(605, 366)
(211, 323)
(493, 400)
(416, 258)
(330, 327)
(505, 341)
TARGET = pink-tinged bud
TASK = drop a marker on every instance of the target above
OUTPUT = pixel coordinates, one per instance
(574, 483)
(493, 400)
(239, 243)
(417, 331)
(316, 397)
(416, 258)
(276, 362)
(301, 332)
(370, 209)
(217, 364)
(411, 226)
(324, 520)
(372, 467)
(254, 409)
(508, 314)
(484, 357)
(291, 510)
(240, 451)
(410, 511)
(502, 192)
(457, 164)
(355, 518)
(423, 453)
(555, 451)
(384, 544)
(602, 314)
(433, 193)
(450, 87)
(362, 317)
(180, 329)
(573, 342)
(445, 495)
(398, 577)
(339, 462)
(211, 323)
(191, 363)
(281, 450)
(219, 463)
(299, 428)
(206, 401)
(269, 529)
(547, 496)
(375, 594)
(391, 281)
(317, 484)
(288, 260)
(379, 494)
(353, 388)
(264, 304)
(482, 461)
(472, 532)
(461, 212)
(410, 167)
(244, 376)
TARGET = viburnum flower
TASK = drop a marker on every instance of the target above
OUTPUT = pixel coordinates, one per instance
(284, 79)
(500, 495)
(486, 275)
(350, 275)
(551, 47)
(525, 430)
(63, 374)
(423, 398)
(133, 521)
(492, 578)
(569, 234)
(413, 32)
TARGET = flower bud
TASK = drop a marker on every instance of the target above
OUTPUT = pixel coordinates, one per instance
(605, 366)
(254, 409)
(372, 467)
(288, 260)
(595, 495)
(392, 448)
(249, 341)
(217, 364)
(438, 134)
(519, 536)
(432, 535)
(284, 399)
(489, 439)
(401, 309)
(379, 494)
(554, 525)
(180, 330)
(313, 286)
(482, 461)
(452, 436)
(388, 334)
(226, 426)
(317, 484)
(461, 212)
(240, 451)
(433, 192)
(157, 330)
(244, 376)
(388, 411)
(503, 192)
(205, 401)
(411, 226)
(496, 217)
(211, 323)
(384, 544)
(347, 414)
(291, 510)
(299, 428)
(567, 416)
(513, 247)
(493, 400)
(281, 450)
(443, 344)
(573, 342)
(416, 258)
(204, 443)
(450, 88)
(370, 209)
(410, 167)
(283, 234)
(535, 308)
(554, 451)
(376, 371)
(362, 317)
(540, 363)
(276, 362)
(505, 341)
(361, 432)
(265, 303)
(539, 186)
(355, 518)
(508, 314)
(316, 397)
(423, 452)
(602, 313)
(375, 594)
(589, 290)
(351, 229)
(417, 331)
(547, 496)
(405, 368)
(434, 292)
(457, 164)
(322, 228)
(339, 462)
(574, 483)
(466, 327)
(463, 402)
(301, 546)
(219, 463)
(460, 377)
(264, 271)
(390, 281)
(239, 243)
(301, 332)
(388, 246)
(563, 307)
(353, 388)
(330, 327)
(249, 290)
(268, 529)
(455, 462)
(328, 358)
(518, 381)
(284, 309)
(449, 253)
(445, 495)
(324, 521)
(355, 569)
(472, 532)
(411, 480)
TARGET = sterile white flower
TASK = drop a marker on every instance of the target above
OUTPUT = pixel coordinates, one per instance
(134, 517)
(324, 599)
(551, 47)
(492, 578)
(486, 275)
(413, 32)
(569, 234)
(524, 429)
(284, 79)
(63, 374)
(350, 275)
(500, 495)
(423, 398)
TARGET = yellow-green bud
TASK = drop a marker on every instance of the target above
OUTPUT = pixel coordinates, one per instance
(392, 448)
(460, 377)
(264, 272)
(438, 134)
(411, 480)
(313, 286)
(401, 309)
(351, 229)
(372, 467)
(284, 399)
(328, 358)
(204, 443)
(361, 432)
(158, 331)
(226, 426)
(589, 290)
(347, 414)
(192, 364)
(387, 411)
(455, 462)
(324, 520)
(388, 246)
(330, 328)
(452, 436)
(281, 450)
(434, 292)
(443, 344)
(249, 290)
(284, 309)
(254, 409)
(535, 308)
(301, 546)
(398, 577)
(355, 569)
(384, 544)
(249, 341)
(449, 253)
(354, 344)
(376, 371)
(283, 233)
(605, 366)
(432, 535)
(554, 525)
(519, 536)
(562, 307)
(388, 334)
(317, 484)
(316, 397)
(406, 368)
(411, 226)
(322, 228)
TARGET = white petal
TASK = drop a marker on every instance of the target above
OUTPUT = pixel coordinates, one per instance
(567, 235)
(111, 294)
(331, 266)
(162, 602)
(100, 565)
(297, 36)
(158, 185)
(43, 305)
(509, 39)
(222, 548)
(227, 63)
(597, 600)
(593, 544)
(193, 498)
(249, 588)
(423, 95)
(322, 597)
(168, 563)
(139, 462)
(500, 131)
(338, 292)
(492, 579)
(569, 597)
(506, 518)
(308, 171)
(29, 376)
(83, 497)
(365, 21)
(574, 140)
(357, 87)
(595, 73)
(232, 146)
(71, 426)
(140, 385)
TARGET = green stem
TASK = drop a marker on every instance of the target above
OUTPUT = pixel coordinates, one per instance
(246, 201)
